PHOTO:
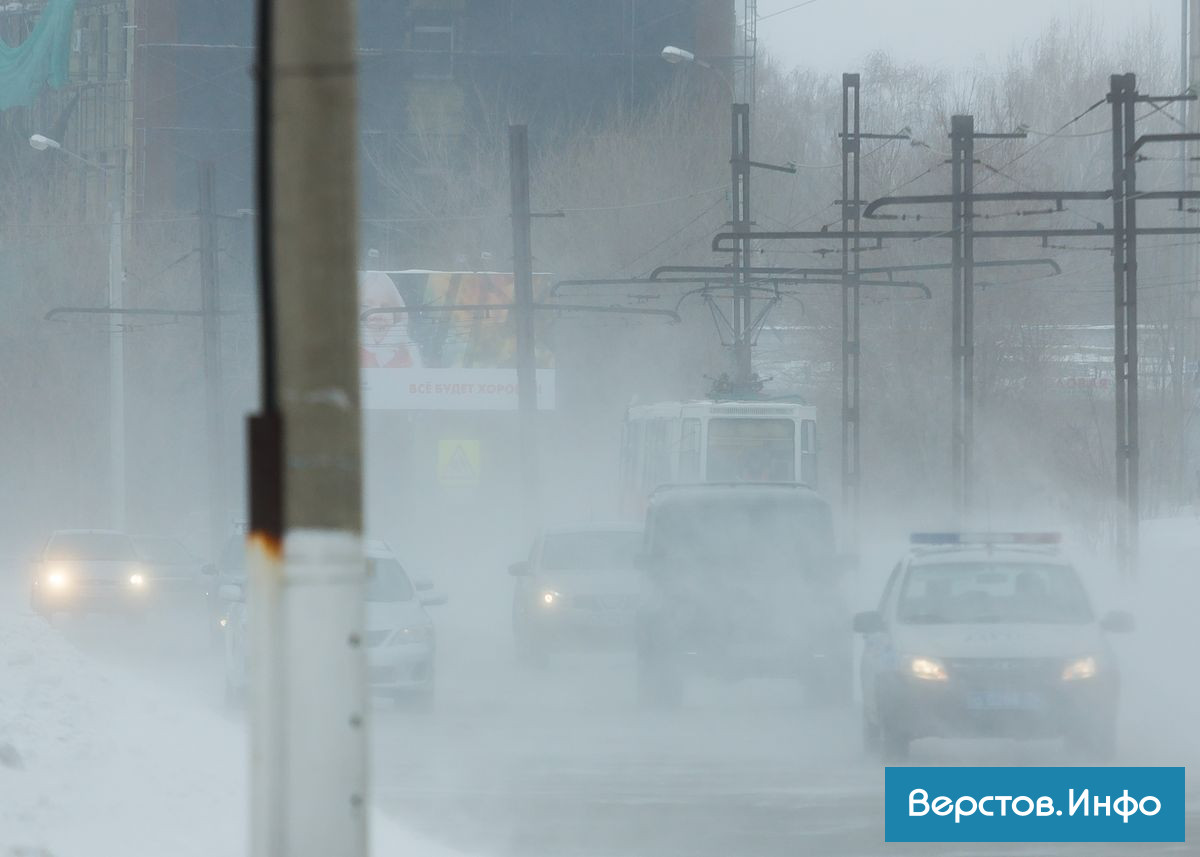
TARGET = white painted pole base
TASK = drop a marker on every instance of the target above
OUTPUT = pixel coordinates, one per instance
(308, 696)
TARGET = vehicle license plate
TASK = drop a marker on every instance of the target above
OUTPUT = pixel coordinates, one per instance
(1004, 699)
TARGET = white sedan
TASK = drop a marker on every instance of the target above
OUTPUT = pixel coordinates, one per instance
(400, 637)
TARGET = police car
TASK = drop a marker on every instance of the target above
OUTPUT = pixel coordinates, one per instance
(988, 635)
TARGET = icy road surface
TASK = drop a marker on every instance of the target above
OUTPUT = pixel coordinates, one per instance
(562, 763)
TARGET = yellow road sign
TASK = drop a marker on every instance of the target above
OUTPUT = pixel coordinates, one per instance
(458, 462)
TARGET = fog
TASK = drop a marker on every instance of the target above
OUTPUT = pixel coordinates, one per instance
(621, 626)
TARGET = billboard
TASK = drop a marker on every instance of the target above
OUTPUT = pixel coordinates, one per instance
(431, 340)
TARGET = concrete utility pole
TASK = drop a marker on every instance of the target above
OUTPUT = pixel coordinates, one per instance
(1124, 98)
(962, 268)
(852, 207)
(210, 309)
(116, 351)
(1123, 87)
(739, 164)
(744, 323)
(1186, 309)
(962, 347)
(1176, 331)
(851, 301)
(308, 701)
(518, 171)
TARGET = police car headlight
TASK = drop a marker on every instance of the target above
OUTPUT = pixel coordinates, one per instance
(1080, 668)
(549, 598)
(927, 669)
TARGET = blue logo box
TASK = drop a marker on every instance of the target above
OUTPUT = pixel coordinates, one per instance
(1034, 805)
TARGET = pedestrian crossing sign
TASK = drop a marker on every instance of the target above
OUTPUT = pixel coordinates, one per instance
(458, 462)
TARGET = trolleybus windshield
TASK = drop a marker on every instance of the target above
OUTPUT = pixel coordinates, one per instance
(742, 449)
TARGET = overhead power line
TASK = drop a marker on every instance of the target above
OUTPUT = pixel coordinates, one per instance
(1041, 142)
(788, 9)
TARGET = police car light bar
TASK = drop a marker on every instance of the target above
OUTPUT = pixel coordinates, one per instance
(985, 538)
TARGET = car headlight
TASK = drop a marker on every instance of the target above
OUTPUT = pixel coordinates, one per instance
(1080, 668)
(549, 598)
(58, 579)
(137, 580)
(927, 669)
(412, 634)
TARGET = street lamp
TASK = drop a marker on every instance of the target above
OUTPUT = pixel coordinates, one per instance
(43, 143)
(116, 349)
(676, 55)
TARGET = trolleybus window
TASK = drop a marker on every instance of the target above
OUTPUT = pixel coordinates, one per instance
(808, 452)
(751, 450)
(689, 451)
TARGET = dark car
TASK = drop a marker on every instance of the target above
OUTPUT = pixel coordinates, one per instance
(578, 590)
(741, 580)
(82, 571)
(988, 636)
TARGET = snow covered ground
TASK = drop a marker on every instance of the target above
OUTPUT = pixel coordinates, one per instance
(98, 758)
(97, 761)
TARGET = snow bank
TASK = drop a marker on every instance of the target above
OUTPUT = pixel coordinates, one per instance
(96, 761)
